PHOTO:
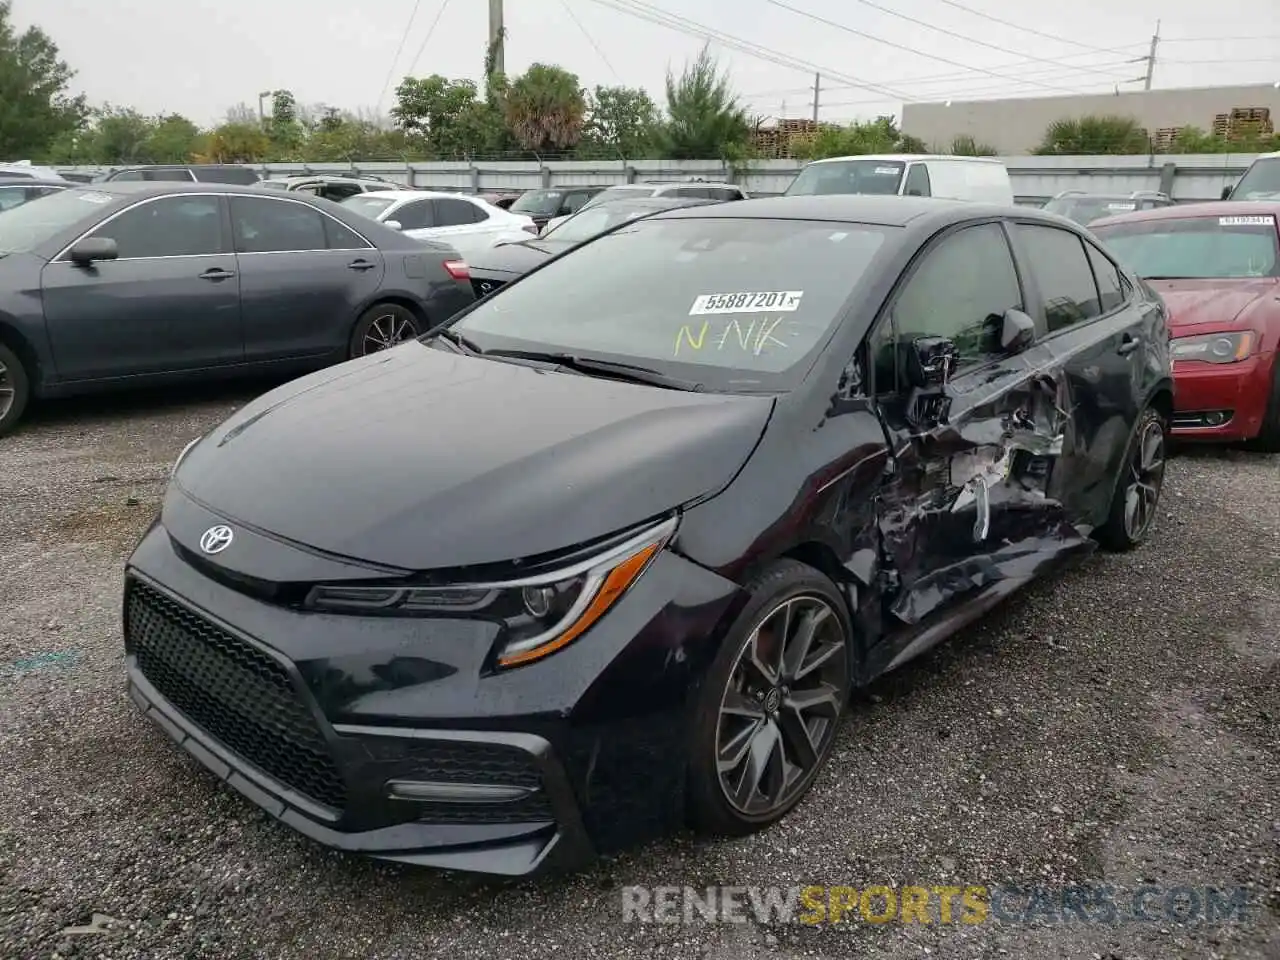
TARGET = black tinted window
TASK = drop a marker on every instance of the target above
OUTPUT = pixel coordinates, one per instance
(724, 193)
(413, 216)
(238, 175)
(275, 226)
(168, 175)
(171, 227)
(918, 181)
(453, 213)
(1110, 287)
(960, 291)
(339, 191)
(126, 175)
(340, 237)
(1062, 274)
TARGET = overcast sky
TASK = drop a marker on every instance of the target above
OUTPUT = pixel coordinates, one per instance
(199, 57)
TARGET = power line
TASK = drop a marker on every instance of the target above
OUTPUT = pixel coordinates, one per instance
(652, 14)
(935, 78)
(906, 49)
(967, 39)
(1018, 26)
(427, 39)
(590, 39)
(399, 50)
(1275, 39)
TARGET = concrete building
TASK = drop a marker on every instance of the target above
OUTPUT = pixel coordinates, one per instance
(1016, 126)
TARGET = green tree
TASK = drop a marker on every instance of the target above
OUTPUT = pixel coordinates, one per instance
(704, 117)
(119, 135)
(234, 143)
(173, 139)
(964, 145)
(872, 136)
(621, 122)
(283, 129)
(1094, 135)
(446, 117)
(545, 109)
(35, 108)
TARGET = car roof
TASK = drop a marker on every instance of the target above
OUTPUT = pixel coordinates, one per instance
(313, 177)
(426, 195)
(35, 182)
(1210, 208)
(157, 188)
(881, 210)
(906, 157)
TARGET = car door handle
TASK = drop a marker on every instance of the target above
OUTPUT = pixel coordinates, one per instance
(217, 273)
(1128, 344)
(360, 265)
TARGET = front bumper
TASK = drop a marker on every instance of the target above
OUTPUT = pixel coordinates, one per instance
(359, 733)
(1221, 402)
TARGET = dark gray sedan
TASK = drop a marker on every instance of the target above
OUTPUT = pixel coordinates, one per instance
(123, 284)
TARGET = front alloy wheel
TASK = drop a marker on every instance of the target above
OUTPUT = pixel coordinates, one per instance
(1146, 475)
(771, 703)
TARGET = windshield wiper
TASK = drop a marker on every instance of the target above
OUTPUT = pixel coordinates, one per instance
(465, 344)
(610, 368)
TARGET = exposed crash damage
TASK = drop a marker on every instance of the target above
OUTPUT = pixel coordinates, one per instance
(986, 491)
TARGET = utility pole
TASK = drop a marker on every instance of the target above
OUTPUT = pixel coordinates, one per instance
(817, 93)
(1151, 57)
(497, 35)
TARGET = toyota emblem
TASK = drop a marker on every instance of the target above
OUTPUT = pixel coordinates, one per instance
(216, 539)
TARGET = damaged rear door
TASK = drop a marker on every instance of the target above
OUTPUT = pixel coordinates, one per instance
(975, 410)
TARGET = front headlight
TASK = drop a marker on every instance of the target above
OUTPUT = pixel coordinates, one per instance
(539, 614)
(1215, 347)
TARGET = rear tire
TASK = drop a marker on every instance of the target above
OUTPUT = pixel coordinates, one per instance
(1139, 482)
(382, 326)
(15, 389)
(761, 734)
(1268, 438)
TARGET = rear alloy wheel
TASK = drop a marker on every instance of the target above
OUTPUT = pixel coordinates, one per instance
(382, 327)
(1137, 496)
(15, 389)
(772, 704)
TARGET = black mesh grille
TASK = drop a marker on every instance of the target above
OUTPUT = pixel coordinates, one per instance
(233, 691)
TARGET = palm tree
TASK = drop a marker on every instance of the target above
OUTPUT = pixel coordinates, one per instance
(1094, 135)
(545, 109)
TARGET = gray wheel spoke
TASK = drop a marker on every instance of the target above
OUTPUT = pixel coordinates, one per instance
(780, 705)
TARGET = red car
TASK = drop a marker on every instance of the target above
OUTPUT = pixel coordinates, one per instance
(1217, 266)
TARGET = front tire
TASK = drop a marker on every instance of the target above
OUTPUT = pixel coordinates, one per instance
(15, 389)
(1138, 486)
(1268, 438)
(381, 327)
(769, 711)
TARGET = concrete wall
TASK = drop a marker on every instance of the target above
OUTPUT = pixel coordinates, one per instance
(1017, 126)
(1183, 176)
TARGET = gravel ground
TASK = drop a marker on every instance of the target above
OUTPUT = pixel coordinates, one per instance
(1117, 725)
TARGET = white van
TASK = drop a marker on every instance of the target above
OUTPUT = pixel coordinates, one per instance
(1260, 182)
(913, 175)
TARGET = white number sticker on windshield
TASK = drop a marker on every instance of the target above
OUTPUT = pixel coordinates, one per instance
(1122, 206)
(887, 171)
(96, 197)
(1250, 221)
(786, 301)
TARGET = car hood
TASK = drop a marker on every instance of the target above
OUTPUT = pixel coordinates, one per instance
(514, 258)
(1195, 304)
(417, 458)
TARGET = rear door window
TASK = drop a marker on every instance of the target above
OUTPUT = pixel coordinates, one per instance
(268, 225)
(456, 213)
(416, 215)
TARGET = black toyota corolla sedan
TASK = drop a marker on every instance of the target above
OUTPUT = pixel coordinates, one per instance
(684, 487)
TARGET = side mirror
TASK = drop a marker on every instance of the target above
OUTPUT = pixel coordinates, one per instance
(931, 361)
(1017, 332)
(90, 249)
(391, 224)
(1226, 193)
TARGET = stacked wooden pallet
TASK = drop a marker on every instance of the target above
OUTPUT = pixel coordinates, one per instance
(1164, 139)
(1243, 122)
(780, 142)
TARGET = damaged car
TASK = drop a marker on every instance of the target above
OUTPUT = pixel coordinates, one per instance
(1217, 267)
(665, 520)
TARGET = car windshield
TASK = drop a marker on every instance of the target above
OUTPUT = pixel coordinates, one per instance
(1260, 182)
(24, 228)
(366, 205)
(735, 305)
(538, 203)
(1087, 209)
(847, 176)
(1196, 247)
(619, 193)
(587, 223)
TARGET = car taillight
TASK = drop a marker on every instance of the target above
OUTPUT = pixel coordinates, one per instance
(458, 269)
